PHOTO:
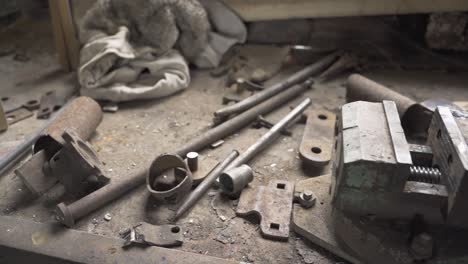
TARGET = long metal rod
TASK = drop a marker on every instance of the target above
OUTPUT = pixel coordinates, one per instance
(68, 214)
(205, 185)
(296, 78)
(271, 135)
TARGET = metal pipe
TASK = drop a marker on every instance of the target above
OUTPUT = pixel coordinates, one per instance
(296, 78)
(206, 184)
(271, 135)
(68, 214)
(234, 180)
(360, 88)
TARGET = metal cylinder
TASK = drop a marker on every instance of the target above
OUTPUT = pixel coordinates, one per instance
(203, 187)
(68, 214)
(360, 88)
(82, 116)
(296, 78)
(192, 161)
(234, 180)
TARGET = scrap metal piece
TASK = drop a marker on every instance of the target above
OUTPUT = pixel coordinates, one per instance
(18, 115)
(234, 180)
(317, 142)
(54, 100)
(169, 178)
(217, 144)
(77, 166)
(296, 78)
(82, 116)
(33, 177)
(110, 192)
(152, 235)
(192, 161)
(207, 165)
(201, 189)
(10, 103)
(273, 204)
(3, 120)
(49, 243)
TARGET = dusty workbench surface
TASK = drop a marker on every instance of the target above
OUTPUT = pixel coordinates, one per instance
(131, 138)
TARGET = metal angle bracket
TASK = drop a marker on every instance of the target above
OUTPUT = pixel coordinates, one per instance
(273, 203)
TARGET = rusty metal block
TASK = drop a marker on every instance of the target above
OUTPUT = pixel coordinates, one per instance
(273, 204)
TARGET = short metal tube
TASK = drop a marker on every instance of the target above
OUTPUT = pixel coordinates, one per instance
(234, 180)
(192, 161)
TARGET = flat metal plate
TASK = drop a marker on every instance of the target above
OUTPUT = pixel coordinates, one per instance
(273, 204)
(316, 224)
(317, 142)
(18, 115)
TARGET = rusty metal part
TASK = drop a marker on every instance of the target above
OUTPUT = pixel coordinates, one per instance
(317, 142)
(3, 120)
(82, 115)
(77, 166)
(271, 135)
(49, 243)
(273, 204)
(207, 164)
(152, 235)
(192, 161)
(116, 189)
(203, 187)
(234, 180)
(33, 176)
(315, 224)
(18, 115)
(415, 117)
(52, 101)
(263, 122)
(169, 178)
(296, 78)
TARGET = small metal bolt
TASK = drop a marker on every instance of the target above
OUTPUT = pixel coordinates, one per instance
(308, 195)
(307, 199)
(107, 217)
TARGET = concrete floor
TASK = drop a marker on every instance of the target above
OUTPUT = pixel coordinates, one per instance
(140, 131)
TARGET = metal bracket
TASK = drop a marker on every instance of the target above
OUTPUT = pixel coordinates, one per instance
(317, 143)
(273, 203)
(152, 235)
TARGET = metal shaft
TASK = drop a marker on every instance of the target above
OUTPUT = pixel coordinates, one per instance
(203, 187)
(359, 88)
(296, 78)
(69, 214)
(271, 135)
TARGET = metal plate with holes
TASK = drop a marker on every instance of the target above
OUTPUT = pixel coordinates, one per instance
(161, 236)
(273, 203)
(18, 115)
(54, 100)
(10, 103)
(317, 143)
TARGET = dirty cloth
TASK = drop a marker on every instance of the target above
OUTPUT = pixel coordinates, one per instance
(112, 68)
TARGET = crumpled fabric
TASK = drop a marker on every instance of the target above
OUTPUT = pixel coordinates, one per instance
(113, 69)
(135, 73)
